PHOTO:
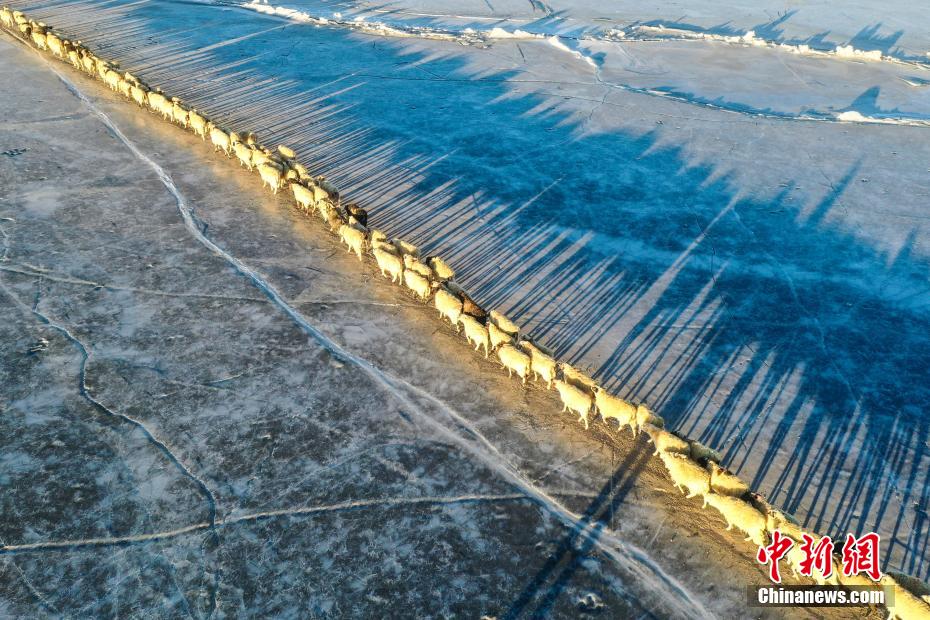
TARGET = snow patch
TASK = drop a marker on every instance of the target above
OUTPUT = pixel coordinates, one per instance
(559, 44)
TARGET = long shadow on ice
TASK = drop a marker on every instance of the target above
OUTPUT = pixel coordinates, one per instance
(794, 346)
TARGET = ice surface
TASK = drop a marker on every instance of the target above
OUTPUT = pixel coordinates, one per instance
(685, 218)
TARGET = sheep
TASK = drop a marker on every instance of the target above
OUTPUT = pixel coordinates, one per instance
(271, 176)
(449, 306)
(358, 213)
(645, 416)
(577, 378)
(87, 63)
(498, 336)
(198, 124)
(220, 140)
(741, 514)
(515, 361)
(469, 306)
(111, 79)
(389, 264)
(286, 152)
(686, 475)
(244, 154)
(38, 37)
(158, 102)
(795, 556)
(475, 332)
(251, 139)
(725, 483)
(612, 407)
(417, 283)
(124, 87)
(541, 364)
(377, 235)
(906, 605)
(443, 271)
(700, 452)
(354, 223)
(301, 170)
(384, 246)
(353, 238)
(75, 59)
(303, 196)
(179, 113)
(139, 95)
(320, 194)
(504, 323)
(331, 192)
(575, 400)
(413, 263)
(261, 156)
(665, 441)
(6, 16)
(54, 45)
(407, 248)
(334, 219)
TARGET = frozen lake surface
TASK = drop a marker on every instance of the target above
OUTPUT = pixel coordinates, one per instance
(685, 218)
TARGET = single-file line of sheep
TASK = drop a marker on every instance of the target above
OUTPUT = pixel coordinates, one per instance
(692, 467)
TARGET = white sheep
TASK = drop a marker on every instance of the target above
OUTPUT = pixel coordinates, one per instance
(417, 283)
(353, 238)
(541, 364)
(287, 152)
(244, 154)
(449, 306)
(407, 248)
(498, 336)
(272, 176)
(686, 474)
(198, 124)
(389, 264)
(504, 323)
(38, 37)
(179, 113)
(665, 441)
(475, 332)
(6, 16)
(645, 416)
(575, 400)
(741, 514)
(54, 44)
(578, 378)
(612, 407)
(515, 361)
(384, 246)
(411, 262)
(377, 235)
(111, 79)
(795, 556)
(125, 87)
(726, 483)
(906, 605)
(319, 194)
(139, 95)
(220, 140)
(700, 452)
(443, 271)
(303, 196)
